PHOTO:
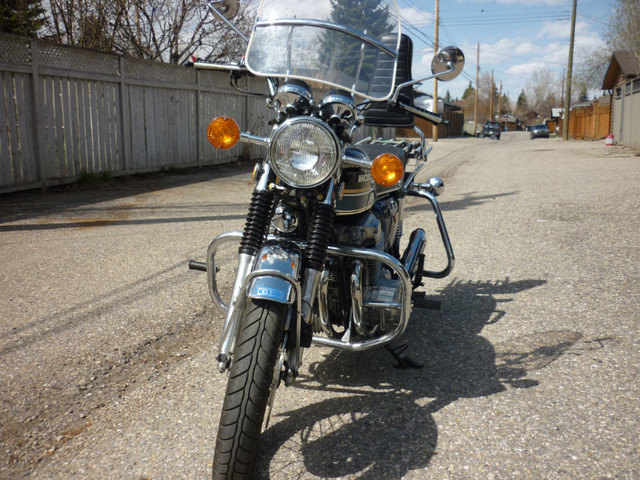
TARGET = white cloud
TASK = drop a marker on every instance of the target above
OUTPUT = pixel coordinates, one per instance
(562, 29)
(417, 18)
(526, 69)
(550, 3)
(589, 42)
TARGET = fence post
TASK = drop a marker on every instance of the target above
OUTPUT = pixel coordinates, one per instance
(596, 130)
(36, 102)
(125, 116)
(198, 121)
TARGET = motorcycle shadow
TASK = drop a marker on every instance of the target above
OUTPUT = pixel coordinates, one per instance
(379, 422)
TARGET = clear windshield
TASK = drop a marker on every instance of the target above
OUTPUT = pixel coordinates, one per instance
(339, 43)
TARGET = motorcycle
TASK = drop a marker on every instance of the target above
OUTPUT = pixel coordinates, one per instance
(319, 259)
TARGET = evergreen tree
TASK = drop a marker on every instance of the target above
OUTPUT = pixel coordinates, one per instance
(522, 100)
(367, 16)
(21, 17)
(469, 92)
(447, 96)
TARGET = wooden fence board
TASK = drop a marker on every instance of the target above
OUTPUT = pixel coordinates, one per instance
(70, 168)
(113, 156)
(12, 126)
(94, 116)
(138, 131)
(6, 174)
(150, 127)
(27, 165)
(84, 126)
(73, 127)
(58, 126)
(104, 106)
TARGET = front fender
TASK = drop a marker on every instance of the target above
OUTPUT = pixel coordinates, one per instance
(280, 256)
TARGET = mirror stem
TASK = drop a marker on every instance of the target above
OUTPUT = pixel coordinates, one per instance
(219, 16)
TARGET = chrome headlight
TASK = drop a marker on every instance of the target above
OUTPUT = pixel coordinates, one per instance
(304, 152)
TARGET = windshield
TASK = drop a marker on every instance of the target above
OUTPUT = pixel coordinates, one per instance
(339, 43)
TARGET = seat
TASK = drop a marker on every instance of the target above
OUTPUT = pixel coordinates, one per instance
(379, 114)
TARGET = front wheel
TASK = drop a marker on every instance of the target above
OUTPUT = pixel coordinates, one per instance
(248, 389)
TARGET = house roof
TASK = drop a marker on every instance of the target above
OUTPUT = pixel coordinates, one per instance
(624, 62)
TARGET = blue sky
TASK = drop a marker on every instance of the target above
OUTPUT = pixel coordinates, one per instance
(516, 36)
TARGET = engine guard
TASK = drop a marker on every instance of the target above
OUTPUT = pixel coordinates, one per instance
(265, 277)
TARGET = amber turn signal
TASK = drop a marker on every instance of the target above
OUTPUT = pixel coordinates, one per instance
(223, 132)
(387, 170)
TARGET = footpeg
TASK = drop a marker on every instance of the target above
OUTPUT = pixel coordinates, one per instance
(201, 266)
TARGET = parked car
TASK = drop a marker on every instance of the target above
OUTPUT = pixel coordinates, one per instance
(490, 129)
(539, 131)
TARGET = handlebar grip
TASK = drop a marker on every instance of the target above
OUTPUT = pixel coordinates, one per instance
(426, 114)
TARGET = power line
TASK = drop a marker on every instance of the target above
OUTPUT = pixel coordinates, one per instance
(505, 21)
(597, 20)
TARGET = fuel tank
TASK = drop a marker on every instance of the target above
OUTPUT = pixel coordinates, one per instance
(359, 192)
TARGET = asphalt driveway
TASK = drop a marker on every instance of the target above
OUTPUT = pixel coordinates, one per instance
(107, 340)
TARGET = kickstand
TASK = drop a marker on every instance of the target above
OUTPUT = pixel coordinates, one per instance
(403, 362)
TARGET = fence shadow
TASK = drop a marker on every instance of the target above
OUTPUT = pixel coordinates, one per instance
(79, 198)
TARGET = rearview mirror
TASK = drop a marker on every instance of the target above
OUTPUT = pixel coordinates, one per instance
(227, 8)
(447, 58)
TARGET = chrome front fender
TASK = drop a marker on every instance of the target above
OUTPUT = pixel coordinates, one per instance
(280, 257)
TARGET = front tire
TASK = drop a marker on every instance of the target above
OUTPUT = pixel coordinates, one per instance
(248, 389)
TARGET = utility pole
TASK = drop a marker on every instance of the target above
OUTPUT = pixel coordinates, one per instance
(562, 96)
(500, 104)
(491, 119)
(435, 80)
(567, 98)
(475, 100)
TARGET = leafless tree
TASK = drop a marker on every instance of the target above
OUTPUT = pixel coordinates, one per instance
(164, 30)
(171, 30)
(544, 91)
(621, 33)
(86, 23)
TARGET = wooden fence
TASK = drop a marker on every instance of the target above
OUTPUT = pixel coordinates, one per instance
(590, 123)
(67, 111)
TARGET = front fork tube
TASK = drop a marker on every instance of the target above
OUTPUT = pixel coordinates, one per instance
(237, 306)
(238, 302)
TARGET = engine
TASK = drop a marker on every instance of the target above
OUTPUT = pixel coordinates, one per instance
(364, 284)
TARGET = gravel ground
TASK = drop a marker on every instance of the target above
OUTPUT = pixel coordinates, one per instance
(531, 368)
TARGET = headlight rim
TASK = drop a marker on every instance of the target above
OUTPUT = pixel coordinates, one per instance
(288, 124)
